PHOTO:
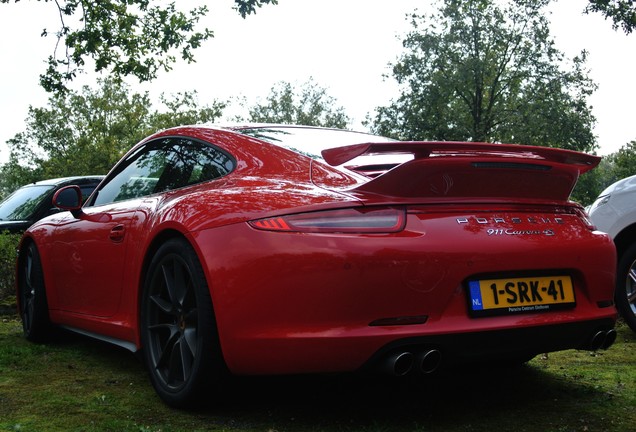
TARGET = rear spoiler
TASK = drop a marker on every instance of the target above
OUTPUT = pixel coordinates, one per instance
(340, 155)
(471, 170)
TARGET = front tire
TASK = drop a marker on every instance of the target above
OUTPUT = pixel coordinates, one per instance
(178, 329)
(34, 309)
(625, 296)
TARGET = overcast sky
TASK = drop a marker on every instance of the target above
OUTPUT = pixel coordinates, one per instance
(345, 45)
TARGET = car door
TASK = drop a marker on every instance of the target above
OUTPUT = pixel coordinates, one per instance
(91, 250)
(89, 259)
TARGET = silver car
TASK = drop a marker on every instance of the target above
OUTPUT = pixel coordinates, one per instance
(614, 212)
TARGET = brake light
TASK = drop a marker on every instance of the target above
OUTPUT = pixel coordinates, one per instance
(585, 219)
(375, 221)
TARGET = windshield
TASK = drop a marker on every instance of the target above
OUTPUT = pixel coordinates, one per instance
(23, 202)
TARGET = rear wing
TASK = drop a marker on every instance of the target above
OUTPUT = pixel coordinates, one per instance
(471, 170)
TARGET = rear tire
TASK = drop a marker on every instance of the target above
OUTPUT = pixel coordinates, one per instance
(178, 329)
(625, 295)
(34, 309)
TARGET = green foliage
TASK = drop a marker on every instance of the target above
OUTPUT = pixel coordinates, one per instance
(184, 109)
(485, 70)
(247, 7)
(592, 183)
(13, 175)
(612, 168)
(86, 132)
(125, 37)
(621, 12)
(310, 105)
(625, 161)
(8, 255)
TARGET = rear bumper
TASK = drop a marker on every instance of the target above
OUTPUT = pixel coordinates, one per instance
(350, 349)
(501, 345)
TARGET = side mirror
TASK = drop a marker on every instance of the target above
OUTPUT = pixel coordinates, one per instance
(69, 198)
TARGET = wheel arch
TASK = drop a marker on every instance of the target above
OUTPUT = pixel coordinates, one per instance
(624, 239)
(161, 238)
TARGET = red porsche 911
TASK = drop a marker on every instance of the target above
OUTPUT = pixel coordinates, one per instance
(266, 249)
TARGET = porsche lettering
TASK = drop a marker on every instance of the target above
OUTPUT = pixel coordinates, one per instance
(513, 220)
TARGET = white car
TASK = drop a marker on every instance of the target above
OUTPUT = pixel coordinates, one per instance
(614, 212)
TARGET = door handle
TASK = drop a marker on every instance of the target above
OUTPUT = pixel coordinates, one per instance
(117, 233)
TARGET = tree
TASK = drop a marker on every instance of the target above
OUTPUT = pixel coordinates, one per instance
(125, 37)
(625, 161)
(593, 182)
(613, 167)
(310, 105)
(84, 133)
(13, 175)
(621, 12)
(486, 70)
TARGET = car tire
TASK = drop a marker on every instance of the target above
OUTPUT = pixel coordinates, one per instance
(625, 296)
(34, 309)
(178, 329)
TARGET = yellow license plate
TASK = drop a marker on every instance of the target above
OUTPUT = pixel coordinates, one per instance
(520, 295)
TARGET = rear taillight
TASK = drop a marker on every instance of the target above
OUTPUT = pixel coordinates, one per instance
(585, 219)
(353, 220)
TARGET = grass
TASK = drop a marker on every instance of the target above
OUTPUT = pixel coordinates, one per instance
(78, 384)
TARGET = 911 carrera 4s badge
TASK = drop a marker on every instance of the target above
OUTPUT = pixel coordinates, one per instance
(489, 297)
(501, 231)
(515, 226)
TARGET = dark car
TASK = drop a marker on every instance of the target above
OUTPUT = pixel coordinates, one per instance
(32, 202)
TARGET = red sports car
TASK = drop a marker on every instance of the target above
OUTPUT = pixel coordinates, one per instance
(282, 249)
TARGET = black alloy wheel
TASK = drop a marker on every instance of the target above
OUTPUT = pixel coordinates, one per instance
(625, 296)
(178, 330)
(34, 310)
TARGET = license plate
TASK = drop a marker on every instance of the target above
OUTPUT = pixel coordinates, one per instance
(490, 297)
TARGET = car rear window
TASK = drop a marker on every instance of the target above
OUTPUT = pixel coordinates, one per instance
(310, 141)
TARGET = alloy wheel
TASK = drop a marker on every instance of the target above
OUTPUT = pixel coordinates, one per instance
(173, 322)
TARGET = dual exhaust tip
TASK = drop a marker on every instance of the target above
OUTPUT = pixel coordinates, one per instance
(402, 363)
(428, 361)
(602, 339)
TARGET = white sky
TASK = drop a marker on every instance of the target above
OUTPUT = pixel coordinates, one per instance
(345, 45)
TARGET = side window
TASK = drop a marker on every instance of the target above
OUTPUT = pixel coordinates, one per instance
(136, 178)
(164, 165)
(192, 162)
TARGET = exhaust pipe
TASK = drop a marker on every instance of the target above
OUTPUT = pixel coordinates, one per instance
(597, 341)
(400, 364)
(602, 339)
(610, 338)
(429, 361)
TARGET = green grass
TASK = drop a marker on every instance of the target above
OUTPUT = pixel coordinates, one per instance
(77, 384)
